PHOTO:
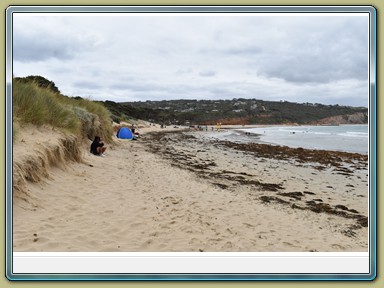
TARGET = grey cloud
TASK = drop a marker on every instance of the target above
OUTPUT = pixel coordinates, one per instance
(207, 73)
(43, 45)
(319, 56)
(271, 58)
(137, 87)
(183, 71)
(120, 86)
(312, 67)
(313, 93)
(91, 85)
(232, 50)
(32, 49)
(300, 50)
(243, 51)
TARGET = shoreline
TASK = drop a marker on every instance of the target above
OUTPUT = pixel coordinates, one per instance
(340, 163)
(174, 192)
(238, 135)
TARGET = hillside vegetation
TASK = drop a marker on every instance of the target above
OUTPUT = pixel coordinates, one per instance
(236, 111)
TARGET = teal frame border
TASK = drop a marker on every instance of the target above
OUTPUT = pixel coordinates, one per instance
(201, 9)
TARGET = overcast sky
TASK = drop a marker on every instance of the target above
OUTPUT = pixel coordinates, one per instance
(317, 59)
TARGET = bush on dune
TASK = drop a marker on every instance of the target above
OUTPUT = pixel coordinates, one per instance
(95, 117)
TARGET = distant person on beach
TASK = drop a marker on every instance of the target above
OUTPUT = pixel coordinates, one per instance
(97, 147)
(218, 126)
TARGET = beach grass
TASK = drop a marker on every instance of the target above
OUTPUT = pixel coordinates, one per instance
(40, 113)
(41, 106)
(38, 106)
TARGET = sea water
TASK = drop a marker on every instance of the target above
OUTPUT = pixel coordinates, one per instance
(348, 138)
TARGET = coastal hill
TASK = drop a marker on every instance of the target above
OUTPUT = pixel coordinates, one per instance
(238, 111)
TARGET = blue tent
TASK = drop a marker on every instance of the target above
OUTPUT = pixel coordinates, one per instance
(124, 133)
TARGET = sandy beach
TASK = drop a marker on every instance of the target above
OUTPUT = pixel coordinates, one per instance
(180, 191)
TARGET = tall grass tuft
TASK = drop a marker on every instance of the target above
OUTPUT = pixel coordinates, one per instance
(28, 105)
(39, 106)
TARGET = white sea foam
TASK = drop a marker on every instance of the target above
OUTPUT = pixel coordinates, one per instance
(350, 138)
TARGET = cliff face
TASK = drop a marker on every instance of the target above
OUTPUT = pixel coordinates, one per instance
(356, 118)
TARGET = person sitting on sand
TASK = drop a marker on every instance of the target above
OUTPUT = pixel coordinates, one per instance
(97, 146)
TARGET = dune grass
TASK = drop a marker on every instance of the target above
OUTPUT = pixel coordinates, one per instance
(40, 106)
(79, 120)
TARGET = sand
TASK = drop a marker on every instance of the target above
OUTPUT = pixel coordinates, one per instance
(181, 192)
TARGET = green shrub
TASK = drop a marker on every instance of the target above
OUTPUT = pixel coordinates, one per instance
(101, 119)
(89, 122)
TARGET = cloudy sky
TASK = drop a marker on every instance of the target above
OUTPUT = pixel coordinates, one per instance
(138, 57)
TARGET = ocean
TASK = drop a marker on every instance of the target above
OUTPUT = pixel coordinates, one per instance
(348, 138)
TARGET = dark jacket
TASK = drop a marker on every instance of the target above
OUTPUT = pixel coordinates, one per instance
(96, 143)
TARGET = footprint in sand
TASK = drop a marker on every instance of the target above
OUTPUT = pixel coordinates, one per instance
(289, 244)
(173, 200)
(337, 246)
(228, 245)
(136, 224)
(194, 241)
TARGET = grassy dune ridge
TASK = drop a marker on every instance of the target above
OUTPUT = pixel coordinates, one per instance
(41, 106)
(50, 130)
